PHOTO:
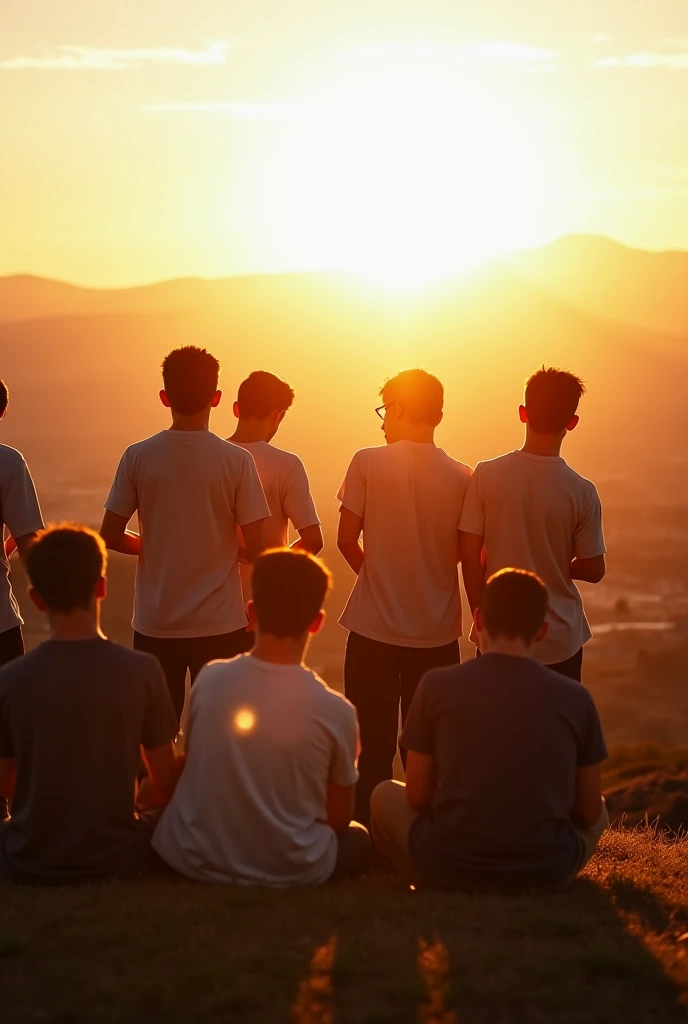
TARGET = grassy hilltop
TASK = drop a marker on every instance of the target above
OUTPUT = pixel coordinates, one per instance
(612, 948)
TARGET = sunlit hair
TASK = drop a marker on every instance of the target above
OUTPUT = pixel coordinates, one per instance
(4, 397)
(289, 588)
(514, 605)
(552, 397)
(64, 565)
(263, 393)
(190, 376)
(419, 392)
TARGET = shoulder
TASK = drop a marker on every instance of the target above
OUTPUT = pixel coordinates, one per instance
(581, 483)
(10, 457)
(459, 469)
(489, 467)
(18, 670)
(567, 691)
(147, 444)
(235, 454)
(134, 662)
(333, 700)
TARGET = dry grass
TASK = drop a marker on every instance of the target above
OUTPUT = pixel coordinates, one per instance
(612, 948)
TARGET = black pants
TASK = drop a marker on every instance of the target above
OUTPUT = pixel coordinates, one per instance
(572, 668)
(177, 654)
(377, 678)
(11, 647)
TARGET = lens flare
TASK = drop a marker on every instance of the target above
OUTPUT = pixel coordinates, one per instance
(244, 720)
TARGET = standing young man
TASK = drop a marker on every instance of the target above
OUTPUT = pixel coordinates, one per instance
(75, 716)
(404, 613)
(530, 509)
(261, 405)
(21, 515)
(503, 779)
(267, 791)
(191, 490)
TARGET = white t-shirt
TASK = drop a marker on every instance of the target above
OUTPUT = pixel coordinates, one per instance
(286, 488)
(191, 489)
(21, 514)
(409, 495)
(251, 804)
(537, 513)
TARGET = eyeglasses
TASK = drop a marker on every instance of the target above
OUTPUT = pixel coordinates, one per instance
(381, 410)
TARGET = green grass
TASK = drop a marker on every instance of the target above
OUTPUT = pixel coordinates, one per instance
(612, 948)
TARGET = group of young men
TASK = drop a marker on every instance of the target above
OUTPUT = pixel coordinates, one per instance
(272, 783)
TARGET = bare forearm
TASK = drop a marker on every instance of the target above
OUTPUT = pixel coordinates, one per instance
(353, 553)
(10, 547)
(587, 570)
(474, 581)
(129, 543)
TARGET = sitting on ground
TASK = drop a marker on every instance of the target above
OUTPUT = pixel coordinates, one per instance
(503, 777)
(267, 790)
(75, 716)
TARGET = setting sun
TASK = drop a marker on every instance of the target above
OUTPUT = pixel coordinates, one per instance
(406, 172)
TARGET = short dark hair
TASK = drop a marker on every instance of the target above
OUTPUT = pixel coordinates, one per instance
(4, 397)
(289, 588)
(64, 565)
(263, 393)
(421, 394)
(552, 397)
(190, 376)
(514, 604)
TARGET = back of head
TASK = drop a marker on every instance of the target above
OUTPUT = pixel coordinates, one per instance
(190, 376)
(419, 392)
(552, 397)
(289, 588)
(514, 605)
(64, 565)
(4, 397)
(262, 394)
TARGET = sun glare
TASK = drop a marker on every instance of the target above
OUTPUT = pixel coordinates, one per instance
(244, 720)
(406, 175)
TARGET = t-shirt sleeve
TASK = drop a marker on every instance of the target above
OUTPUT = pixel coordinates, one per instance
(343, 770)
(473, 509)
(592, 747)
(123, 498)
(21, 512)
(588, 538)
(297, 500)
(352, 493)
(250, 504)
(160, 722)
(417, 734)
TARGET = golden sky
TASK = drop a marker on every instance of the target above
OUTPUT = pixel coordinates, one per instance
(147, 139)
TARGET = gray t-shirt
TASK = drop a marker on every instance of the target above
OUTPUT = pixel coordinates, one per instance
(191, 490)
(508, 736)
(21, 514)
(73, 715)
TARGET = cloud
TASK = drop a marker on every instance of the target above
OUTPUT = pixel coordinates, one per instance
(239, 111)
(92, 58)
(671, 56)
(520, 57)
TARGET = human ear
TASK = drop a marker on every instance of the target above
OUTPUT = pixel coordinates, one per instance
(317, 623)
(573, 423)
(164, 399)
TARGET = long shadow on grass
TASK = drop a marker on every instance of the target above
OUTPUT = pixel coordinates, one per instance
(566, 956)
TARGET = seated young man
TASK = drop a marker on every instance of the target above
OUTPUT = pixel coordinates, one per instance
(75, 716)
(503, 778)
(267, 791)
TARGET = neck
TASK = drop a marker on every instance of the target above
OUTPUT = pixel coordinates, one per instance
(252, 430)
(421, 433)
(542, 444)
(279, 650)
(80, 624)
(199, 421)
(505, 645)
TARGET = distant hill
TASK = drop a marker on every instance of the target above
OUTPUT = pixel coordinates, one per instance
(84, 365)
(632, 286)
